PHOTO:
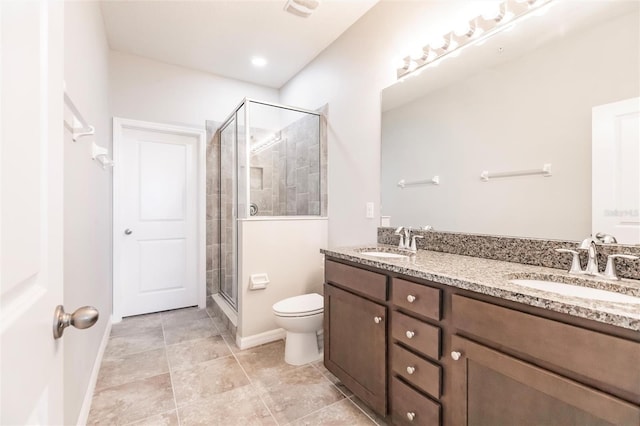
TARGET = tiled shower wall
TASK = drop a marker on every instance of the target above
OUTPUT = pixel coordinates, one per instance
(285, 179)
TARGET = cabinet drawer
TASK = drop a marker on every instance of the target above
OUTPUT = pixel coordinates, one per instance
(411, 408)
(417, 298)
(419, 372)
(416, 334)
(609, 360)
(364, 282)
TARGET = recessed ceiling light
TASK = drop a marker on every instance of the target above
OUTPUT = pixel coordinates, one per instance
(258, 61)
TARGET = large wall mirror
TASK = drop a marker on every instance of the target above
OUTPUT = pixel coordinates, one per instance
(523, 99)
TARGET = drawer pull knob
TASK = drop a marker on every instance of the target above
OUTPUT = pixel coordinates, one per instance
(411, 370)
(455, 355)
(410, 334)
(377, 320)
(411, 415)
(411, 298)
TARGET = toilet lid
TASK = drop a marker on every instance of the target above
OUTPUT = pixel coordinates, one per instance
(307, 304)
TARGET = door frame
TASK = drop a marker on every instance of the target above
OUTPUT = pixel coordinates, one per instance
(119, 124)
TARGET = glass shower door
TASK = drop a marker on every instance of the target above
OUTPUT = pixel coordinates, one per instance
(228, 201)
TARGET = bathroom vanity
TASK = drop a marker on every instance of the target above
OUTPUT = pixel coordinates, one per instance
(438, 338)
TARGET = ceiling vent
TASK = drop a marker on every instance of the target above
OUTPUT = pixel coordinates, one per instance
(302, 8)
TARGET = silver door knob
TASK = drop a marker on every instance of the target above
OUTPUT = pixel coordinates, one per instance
(377, 320)
(411, 298)
(81, 318)
(455, 355)
(410, 334)
(411, 370)
(411, 415)
(128, 231)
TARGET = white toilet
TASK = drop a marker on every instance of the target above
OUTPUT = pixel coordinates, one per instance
(301, 317)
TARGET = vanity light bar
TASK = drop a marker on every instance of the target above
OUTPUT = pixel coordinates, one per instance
(480, 28)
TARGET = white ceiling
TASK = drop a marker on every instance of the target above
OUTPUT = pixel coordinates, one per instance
(221, 36)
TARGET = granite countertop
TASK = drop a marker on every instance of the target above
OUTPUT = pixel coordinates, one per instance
(491, 277)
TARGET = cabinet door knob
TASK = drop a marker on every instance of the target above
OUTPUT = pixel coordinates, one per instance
(411, 370)
(411, 298)
(455, 355)
(377, 320)
(410, 334)
(411, 415)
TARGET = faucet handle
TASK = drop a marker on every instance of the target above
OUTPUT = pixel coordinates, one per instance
(575, 261)
(413, 247)
(610, 272)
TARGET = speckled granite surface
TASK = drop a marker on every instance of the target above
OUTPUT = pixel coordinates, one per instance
(491, 277)
(530, 251)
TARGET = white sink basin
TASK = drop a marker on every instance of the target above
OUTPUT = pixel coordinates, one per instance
(384, 254)
(577, 291)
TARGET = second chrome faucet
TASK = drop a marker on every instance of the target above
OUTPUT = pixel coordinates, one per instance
(407, 241)
(592, 268)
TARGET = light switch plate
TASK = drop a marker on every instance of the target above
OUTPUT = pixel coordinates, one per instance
(369, 210)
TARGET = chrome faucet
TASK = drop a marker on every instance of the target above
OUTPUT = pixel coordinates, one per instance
(589, 244)
(404, 236)
(407, 241)
(592, 264)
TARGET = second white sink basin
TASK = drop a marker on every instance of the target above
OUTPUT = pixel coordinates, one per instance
(577, 291)
(384, 254)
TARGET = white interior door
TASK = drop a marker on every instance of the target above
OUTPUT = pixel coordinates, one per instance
(158, 218)
(616, 170)
(31, 211)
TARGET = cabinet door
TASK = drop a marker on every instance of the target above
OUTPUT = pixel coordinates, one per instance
(355, 345)
(491, 388)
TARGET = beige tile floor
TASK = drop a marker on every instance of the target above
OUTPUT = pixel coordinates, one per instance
(178, 368)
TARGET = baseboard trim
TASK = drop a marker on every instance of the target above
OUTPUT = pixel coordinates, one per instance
(88, 396)
(260, 338)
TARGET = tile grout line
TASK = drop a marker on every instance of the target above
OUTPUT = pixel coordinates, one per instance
(248, 378)
(349, 398)
(173, 390)
(318, 410)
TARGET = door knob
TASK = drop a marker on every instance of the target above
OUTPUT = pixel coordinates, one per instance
(128, 231)
(377, 320)
(411, 415)
(81, 318)
(455, 355)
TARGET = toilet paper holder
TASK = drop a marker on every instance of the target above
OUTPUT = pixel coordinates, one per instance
(258, 281)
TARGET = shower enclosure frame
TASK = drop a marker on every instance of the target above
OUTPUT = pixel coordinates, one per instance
(241, 209)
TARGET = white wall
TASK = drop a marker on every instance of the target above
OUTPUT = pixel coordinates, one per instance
(144, 89)
(87, 198)
(349, 76)
(285, 249)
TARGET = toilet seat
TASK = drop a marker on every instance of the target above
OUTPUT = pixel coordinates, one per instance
(298, 306)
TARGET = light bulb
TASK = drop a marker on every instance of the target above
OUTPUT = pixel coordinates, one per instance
(438, 43)
(494, 13)
(467, 29)
(418, 54)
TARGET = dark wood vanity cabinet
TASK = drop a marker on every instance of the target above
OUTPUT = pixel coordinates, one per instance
(355, 332)
(492, 388)
(531, 370)
(461, 358)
